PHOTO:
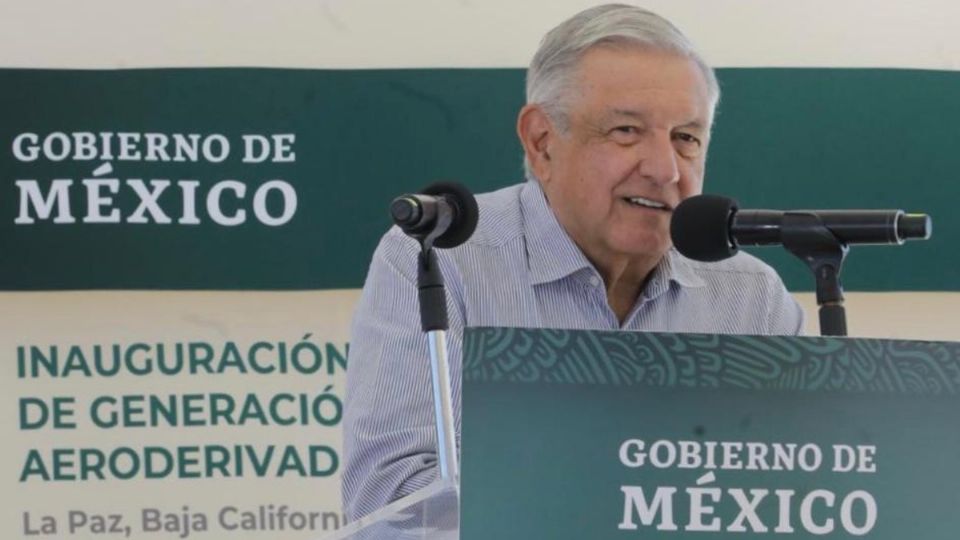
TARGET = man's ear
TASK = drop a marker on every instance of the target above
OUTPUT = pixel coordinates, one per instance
(536, 133)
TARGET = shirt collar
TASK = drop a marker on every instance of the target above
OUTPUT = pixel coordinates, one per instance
(552, 254)
(673, 268)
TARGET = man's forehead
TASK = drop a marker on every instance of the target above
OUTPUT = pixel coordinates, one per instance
(642, 84)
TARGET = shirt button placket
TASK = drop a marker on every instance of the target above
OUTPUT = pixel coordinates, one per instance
(594, 286)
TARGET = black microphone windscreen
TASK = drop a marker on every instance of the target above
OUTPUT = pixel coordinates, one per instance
(700, 228)
(467, 213)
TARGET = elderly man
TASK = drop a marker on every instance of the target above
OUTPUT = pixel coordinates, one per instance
(615, 133)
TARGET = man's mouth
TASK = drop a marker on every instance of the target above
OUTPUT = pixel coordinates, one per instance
(647, 203)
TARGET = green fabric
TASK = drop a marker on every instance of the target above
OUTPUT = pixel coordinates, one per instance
(784, 138)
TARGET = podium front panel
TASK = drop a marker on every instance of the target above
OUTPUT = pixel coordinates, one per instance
(613, 435)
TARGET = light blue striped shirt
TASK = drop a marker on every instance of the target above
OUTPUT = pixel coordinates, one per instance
(520, 268)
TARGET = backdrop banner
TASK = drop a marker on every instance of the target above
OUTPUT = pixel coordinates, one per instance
(609, 435)
(167, 415)
(280, 179)
(180, 253)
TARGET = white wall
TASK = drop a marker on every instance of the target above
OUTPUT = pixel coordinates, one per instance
(457, 33)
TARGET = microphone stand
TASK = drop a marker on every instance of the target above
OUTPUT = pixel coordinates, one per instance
(805, 235)
(433, 320)
(444, 217)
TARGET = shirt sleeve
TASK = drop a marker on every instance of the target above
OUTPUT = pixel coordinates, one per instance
(785, 317)
(389, 435)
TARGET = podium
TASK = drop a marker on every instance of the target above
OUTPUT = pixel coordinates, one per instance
(588, 434)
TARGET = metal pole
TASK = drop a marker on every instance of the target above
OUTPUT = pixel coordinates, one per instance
(443, 406)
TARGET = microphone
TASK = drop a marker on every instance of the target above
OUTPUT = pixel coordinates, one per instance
(712, 228)
(443, 215)
(445, 210)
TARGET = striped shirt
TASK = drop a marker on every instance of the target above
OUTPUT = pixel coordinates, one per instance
(520, 268)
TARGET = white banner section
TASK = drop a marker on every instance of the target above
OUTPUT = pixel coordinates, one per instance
(173, 414)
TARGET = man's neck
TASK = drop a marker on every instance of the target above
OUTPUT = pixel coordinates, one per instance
(625, 281)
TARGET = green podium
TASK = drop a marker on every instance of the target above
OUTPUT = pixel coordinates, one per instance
(615, 435)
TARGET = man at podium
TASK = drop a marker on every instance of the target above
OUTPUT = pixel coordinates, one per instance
(615, 133)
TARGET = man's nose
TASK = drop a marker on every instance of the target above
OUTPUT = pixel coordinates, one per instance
(659, 160)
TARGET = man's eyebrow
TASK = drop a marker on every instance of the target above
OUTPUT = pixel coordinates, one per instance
(641, 116)
(695, 124)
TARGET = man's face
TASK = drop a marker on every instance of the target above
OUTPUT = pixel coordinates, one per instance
(638, 128)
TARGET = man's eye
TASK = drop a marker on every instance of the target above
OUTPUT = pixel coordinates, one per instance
(625, 134)
(687, 138)
(687, 145)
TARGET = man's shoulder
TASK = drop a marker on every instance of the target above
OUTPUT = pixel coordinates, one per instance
(501, 217)
(740, 266)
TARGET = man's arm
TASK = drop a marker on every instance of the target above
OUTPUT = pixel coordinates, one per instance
(389, 434)
(785, 317)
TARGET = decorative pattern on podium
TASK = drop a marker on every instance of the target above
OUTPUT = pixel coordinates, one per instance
(699, 360)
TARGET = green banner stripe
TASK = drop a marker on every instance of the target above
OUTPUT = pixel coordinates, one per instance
(785, 138)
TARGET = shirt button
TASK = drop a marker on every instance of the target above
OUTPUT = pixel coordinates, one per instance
(594, 281)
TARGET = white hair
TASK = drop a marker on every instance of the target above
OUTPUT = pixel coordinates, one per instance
(551, 71)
